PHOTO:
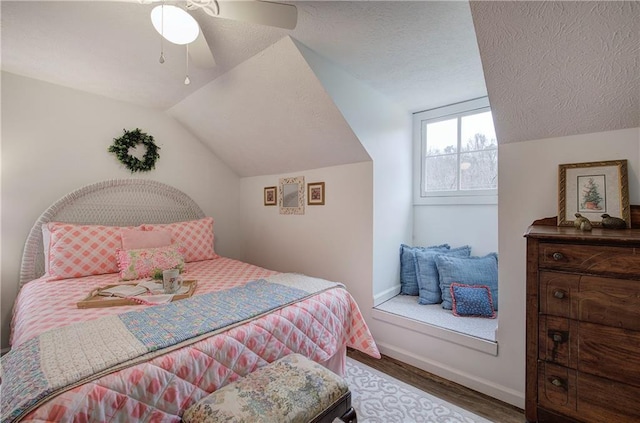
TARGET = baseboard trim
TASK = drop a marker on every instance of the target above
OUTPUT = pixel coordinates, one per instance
(386, 295)
(484, 386)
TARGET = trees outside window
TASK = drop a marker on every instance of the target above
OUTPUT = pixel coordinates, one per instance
(459, 152)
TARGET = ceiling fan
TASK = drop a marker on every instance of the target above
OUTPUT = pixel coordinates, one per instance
(253, 11)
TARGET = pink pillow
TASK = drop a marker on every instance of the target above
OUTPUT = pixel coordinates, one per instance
(82, 250)
(143, 263)
(135, 239)
(195, 235)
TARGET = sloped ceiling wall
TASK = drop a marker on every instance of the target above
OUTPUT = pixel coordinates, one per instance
(557, 68)
(270, 115)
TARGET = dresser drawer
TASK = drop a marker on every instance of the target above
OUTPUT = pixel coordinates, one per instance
(590, 348)
(557, 388)
(558, 293)
(609, 352)
(558, 340)
(596, 299)
(596, 259)
(585, 397)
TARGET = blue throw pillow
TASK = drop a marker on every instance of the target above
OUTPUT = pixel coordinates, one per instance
(470, 271)
(427, 272)
(472, 300)
(408, 279)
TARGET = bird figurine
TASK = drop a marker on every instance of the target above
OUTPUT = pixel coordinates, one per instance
(582, 223)
(613, 222)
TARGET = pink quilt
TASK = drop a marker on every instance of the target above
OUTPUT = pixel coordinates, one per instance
(162, 388)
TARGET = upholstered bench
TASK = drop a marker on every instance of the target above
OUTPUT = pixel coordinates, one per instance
(292, 389)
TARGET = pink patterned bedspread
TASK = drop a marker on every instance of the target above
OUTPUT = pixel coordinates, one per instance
(162, 388)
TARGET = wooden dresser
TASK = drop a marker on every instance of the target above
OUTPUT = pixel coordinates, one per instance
(583, 325)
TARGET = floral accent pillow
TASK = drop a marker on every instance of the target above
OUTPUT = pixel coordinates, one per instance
(195, 235)
(146, 262)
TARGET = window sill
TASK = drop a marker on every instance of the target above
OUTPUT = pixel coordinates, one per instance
(456, 200)
(421, 321)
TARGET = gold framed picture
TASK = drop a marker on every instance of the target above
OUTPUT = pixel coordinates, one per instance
(270, 196)
(593, 189)
(315, 194)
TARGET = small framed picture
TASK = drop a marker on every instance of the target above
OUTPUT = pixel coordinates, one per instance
(592, 190)
(315, 194)
(270, 196)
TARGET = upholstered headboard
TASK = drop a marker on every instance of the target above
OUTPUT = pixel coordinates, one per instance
(116, 202)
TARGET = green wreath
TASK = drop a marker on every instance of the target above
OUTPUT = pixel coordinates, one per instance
(121, 146)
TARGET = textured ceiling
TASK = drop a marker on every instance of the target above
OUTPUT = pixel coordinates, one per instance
(420, 54)
(551, 68)
(560, 68)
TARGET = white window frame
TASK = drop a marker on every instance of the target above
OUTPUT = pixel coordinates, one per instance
(420, 197)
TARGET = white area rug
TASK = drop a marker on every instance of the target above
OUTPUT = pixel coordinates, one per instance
(378, 397)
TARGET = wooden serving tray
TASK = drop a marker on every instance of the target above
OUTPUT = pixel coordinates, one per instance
(93, 300)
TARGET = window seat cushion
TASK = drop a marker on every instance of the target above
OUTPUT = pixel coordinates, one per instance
(434, 314)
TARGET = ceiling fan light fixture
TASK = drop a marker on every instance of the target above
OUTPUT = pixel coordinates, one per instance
(174, 24)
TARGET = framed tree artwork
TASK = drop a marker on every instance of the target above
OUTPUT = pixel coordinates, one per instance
(592, 190)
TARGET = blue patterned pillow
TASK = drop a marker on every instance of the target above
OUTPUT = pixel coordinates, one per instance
(427, 273)
(470, 271)
(408, 279)
(472, 300)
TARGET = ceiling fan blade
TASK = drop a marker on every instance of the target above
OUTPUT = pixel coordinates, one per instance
(260, 12)
(200, 53)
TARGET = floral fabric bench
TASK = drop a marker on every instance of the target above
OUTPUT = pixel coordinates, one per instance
(293, 389)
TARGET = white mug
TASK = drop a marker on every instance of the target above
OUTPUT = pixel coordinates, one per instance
(171, 281)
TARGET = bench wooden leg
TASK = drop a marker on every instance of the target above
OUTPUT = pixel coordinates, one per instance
(350, 416)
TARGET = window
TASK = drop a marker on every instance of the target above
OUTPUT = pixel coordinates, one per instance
(458, 151)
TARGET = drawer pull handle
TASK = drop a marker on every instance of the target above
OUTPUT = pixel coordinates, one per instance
(556, 381)
(558, 337)
(559, 294)
(557, 256)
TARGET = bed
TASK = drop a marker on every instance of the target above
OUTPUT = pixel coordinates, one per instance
(149, 362)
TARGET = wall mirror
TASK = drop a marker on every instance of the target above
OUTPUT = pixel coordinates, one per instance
(291, 195)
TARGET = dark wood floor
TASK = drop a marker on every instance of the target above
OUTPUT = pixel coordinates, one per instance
(480, 404)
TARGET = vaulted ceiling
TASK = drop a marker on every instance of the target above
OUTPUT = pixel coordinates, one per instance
(551, 68)
(419, 54)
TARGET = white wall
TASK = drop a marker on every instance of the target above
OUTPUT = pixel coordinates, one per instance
(464, 224)
(384, 129)
(527, 190)
(55, 140)
(333, 241)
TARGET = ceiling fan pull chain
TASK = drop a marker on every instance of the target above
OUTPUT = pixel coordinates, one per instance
(162, 36)
(187, 81)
